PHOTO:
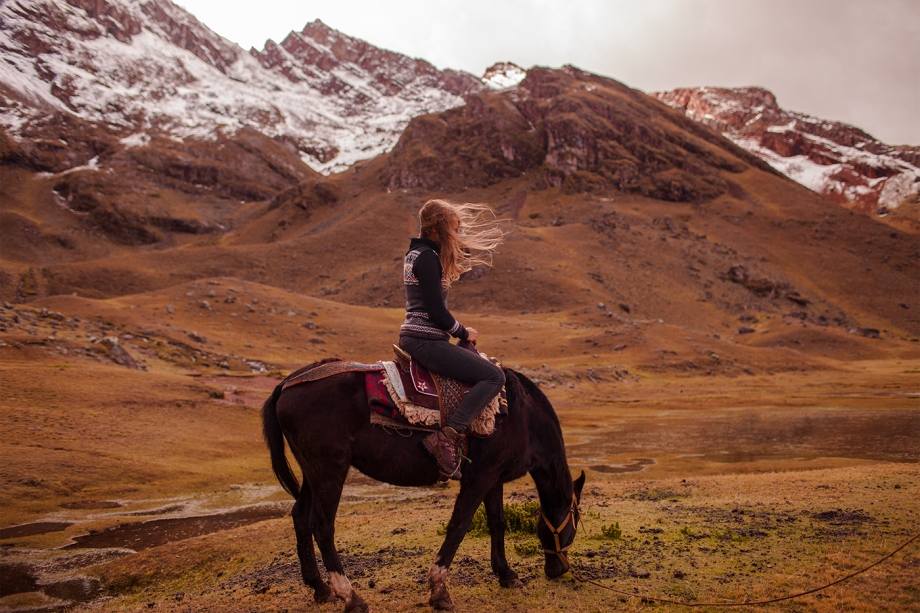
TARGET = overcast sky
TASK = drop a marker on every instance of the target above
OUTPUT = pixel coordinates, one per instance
(856, 61)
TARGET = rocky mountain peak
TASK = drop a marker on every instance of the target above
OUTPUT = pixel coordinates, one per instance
(502, 75)
(832, 158)
(570, 130)
(148, 66)
(185, 31)
(722, 108)
(319, 49)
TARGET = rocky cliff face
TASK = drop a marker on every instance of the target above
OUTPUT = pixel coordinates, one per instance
(834, 159)
(575, 131)
(149, 67)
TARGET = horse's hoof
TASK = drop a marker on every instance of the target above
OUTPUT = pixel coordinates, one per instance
(324, 594)
(442, 602)
(511, 582)
(357, 605)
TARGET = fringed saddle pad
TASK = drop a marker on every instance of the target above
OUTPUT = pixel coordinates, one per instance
(387, 395)
(327, 370)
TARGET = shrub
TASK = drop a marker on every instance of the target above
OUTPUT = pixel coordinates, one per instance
(611, 532)
(521, 518)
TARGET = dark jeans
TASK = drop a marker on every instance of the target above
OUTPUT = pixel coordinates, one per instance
(451, 361)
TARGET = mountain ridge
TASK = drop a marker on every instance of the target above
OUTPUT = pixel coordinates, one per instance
(615, 197)
(151, 67)
(837, 160)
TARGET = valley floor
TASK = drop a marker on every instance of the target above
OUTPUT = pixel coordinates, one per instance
(723, 485)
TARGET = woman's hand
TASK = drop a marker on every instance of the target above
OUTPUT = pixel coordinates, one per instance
(472, 335)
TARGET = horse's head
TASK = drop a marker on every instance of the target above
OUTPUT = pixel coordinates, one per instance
(556, 531)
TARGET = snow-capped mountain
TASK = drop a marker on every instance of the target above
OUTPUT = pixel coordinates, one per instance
(503, 75)
(832, 158)
(149, 67)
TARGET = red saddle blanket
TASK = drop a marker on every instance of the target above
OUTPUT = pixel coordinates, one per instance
(428, 412)
(421, 387)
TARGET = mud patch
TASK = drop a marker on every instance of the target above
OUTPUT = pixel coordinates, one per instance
(33, 529)
(173, 508)
(357, 566)
(91, 505)
(636, 465)
(144, 535)
(840, 517)
(656, 495)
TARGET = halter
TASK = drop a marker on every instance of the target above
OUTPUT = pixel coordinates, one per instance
(572, 515)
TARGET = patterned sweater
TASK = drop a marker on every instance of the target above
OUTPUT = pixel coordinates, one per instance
(426, 302)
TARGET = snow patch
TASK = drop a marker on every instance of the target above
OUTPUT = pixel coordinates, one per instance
(503, 75)
(900, 188)
(139, 139)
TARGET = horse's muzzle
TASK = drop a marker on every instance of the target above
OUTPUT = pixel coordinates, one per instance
(554, 566)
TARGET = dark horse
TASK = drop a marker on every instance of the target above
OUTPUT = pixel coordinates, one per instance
(327, 426)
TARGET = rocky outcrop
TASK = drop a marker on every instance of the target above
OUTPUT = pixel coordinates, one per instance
(577, 131)
(318, 50)
(837, 160)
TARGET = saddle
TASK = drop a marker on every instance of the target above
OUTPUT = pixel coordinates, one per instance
(407, 391)
(428, 389)
(403, 393)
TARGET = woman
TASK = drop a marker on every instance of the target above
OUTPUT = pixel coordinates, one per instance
(452, 239)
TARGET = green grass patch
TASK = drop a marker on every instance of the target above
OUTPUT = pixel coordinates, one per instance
(521, 518)
(528, 549)
(613, 532)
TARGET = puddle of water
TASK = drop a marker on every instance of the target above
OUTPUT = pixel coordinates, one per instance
(78, 589)
(144, 535)
(22, 578)
(33, 529)
(17, 578)
(757, 434)
(53, 574)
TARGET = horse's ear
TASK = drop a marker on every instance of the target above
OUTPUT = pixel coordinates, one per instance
(579, 483)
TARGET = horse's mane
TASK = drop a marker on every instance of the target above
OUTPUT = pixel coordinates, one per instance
(537, 394)
(311, 366)
(547, 423)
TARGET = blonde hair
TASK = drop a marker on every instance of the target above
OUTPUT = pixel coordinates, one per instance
(467, 233)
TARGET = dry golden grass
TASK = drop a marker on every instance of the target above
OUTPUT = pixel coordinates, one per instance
(715, 538)
(739, 375)
(766, 469)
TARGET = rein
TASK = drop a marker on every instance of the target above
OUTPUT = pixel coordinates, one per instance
(560, 551)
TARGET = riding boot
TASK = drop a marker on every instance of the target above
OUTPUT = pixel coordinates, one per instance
(443, 445)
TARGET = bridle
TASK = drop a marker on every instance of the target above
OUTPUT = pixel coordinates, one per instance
(572, 516)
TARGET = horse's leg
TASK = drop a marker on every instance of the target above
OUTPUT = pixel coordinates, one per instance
(495, 518)
(471, 494)
(302, 528)
(322, 518)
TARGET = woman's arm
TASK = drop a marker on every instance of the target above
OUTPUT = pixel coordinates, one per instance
(428, 272)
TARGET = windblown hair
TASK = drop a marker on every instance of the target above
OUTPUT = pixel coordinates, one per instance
(463, 246)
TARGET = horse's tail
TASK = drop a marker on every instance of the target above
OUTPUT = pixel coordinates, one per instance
(274, 438)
